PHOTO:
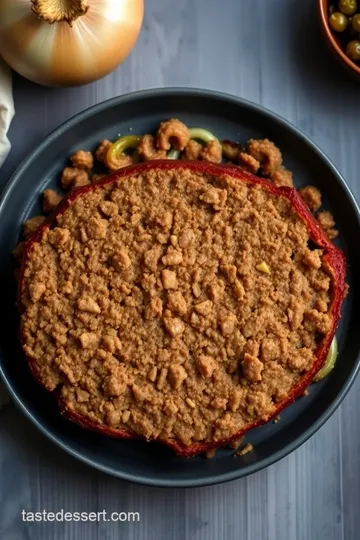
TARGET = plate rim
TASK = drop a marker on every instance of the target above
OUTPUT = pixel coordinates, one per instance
(235, 101)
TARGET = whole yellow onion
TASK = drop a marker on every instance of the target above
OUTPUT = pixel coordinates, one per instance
(68, 42)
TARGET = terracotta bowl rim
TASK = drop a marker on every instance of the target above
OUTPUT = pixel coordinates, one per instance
(323, 5)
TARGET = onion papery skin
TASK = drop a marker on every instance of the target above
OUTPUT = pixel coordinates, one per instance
(61, 54)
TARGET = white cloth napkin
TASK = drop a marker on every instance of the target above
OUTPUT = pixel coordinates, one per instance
(6, 115)
(6, 109)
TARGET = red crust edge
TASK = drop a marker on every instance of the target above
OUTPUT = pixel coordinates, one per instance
(333, 255)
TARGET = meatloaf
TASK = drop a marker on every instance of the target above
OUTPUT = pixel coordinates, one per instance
(179, 302)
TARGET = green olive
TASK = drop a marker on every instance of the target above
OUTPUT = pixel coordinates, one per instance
(201, 134)
(116, 158)
(338, 22)
(329, 362)
(348, 7)
(356, 22)
(173, 154)
(353, 50)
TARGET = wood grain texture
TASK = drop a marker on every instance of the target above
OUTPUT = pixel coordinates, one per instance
(271, 53)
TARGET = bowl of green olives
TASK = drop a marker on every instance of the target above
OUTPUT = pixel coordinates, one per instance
(340, 21)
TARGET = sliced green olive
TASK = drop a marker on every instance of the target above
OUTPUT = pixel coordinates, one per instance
(173, 154)
(348, 7)
(338, 21)
(117, 157)
(202, 135)
(353, 50)
(127, 142)
(329, 362)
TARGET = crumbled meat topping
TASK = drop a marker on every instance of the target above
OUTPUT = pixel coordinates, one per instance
(210, 454)
(50, 200)
(144, 304)
(177, 302)
(59, 236)
(282, 177)
(327, 222)
(248, 162)
(245, 450)
(312, 197)
(121, 260)
(72, 177)
(266, 153)
(173, 325)
(215, 197)
(172, 133)
(177, 375)
(31, 225)
(169, 279)
(81, 180)
(332, 233)
(230, 150)
(173, 257)
(192, 150)
(82, 159)
(147, 149)
(206, 365)
(102, 150)
(212, 152)
(252, 368)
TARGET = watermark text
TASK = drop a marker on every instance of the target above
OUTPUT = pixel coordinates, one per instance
(62, 515)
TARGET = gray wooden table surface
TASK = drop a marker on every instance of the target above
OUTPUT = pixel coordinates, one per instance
(269, 51)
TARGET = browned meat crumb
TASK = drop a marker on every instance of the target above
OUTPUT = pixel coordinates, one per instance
(81, 180)
(210, 454)
(71, 177)
(192, 150)
(306, 392)
(252, 368)
(332, 233)
(327, 222)
(230, 150)
(266, 153)
(236, 443)
(102, 150)
(147, 149)
(18, 251)
(82, 159)
(212, 152)
(282, 177)
(245, 450)
(50, 200)
(248, 162)
(172, 134)
(153, 336)
(31, 225)
(312, 197)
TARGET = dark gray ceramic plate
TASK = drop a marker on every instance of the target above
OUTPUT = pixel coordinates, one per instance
(231, 118)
